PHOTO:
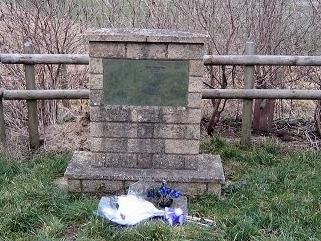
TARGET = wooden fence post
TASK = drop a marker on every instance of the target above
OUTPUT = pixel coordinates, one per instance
(31, 104)
(247, 112)
(2, 123)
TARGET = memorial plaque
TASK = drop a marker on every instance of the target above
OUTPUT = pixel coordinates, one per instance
(145, 82)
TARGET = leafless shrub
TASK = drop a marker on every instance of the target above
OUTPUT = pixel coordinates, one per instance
(55, 26)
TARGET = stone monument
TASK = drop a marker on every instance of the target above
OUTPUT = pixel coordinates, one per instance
(145, 113)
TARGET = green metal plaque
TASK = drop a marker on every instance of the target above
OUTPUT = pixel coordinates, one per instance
(145, 82)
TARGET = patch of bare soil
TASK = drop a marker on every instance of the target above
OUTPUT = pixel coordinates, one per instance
(71, 233)
(292, 134)
(68, 136)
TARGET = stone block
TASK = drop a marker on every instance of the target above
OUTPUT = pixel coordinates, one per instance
(168, 161)
(195, 84)
(210, 170)
(144, 130)
(173, 146)
(196, 68)
(96, 144)
(190, 189)
(109, 113)
(95, 66)
(194, 100)
(194, 116)
(105, 186)
(121, 129)
(145, 146)
(145, 35)
(96, 97)
(107, 50)
(185, 51)
(120, 160)
(96, 82)
(145, 114)
(193, 132)
(96, 129)
(170, 131)
(146, 51)
(74, 185)
(97, 159)
(108, 144)
(173, 114)
(176, 131)
(144, 161)
(181, 115)
(116, 113)
(191, 162)
(118, 129)
(214, 188)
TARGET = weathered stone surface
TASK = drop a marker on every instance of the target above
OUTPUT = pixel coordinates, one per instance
(120, 160)
(116, 113)
(176, 131)
(185, 51)
(105, 186)
(108, 144)
(74, 185)
(96, 82)
(97, 159)
(107, 50)
(212, 171)
(110, 129)
(109, 113)
(95, 65)
(191, 163)
(144, 160)
(145, 35)
(145, 114)
(181, 115)
(194, 116)
(170, 131)
(168, 161)
(194, 100)
(195, 84)
(149, 51)
(181, 146)
(96, 97)
(144, 130)
(121, 129)
(196, 68)
(96, 129)
(145, 146)
(190, 189)
(193, 132)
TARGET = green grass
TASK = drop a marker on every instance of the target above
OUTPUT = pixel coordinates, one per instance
(270, 195)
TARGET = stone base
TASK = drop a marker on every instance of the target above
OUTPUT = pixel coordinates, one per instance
(85, 178)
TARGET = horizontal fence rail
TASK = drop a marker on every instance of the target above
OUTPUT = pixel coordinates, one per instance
(81, 59)
(249, 60)
(261, 94)
(280, 60)
(44, 94)
(206, 94)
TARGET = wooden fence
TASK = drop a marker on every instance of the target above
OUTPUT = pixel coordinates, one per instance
(249, 60)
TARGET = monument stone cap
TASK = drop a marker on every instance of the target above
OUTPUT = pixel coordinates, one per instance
(146, 36)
